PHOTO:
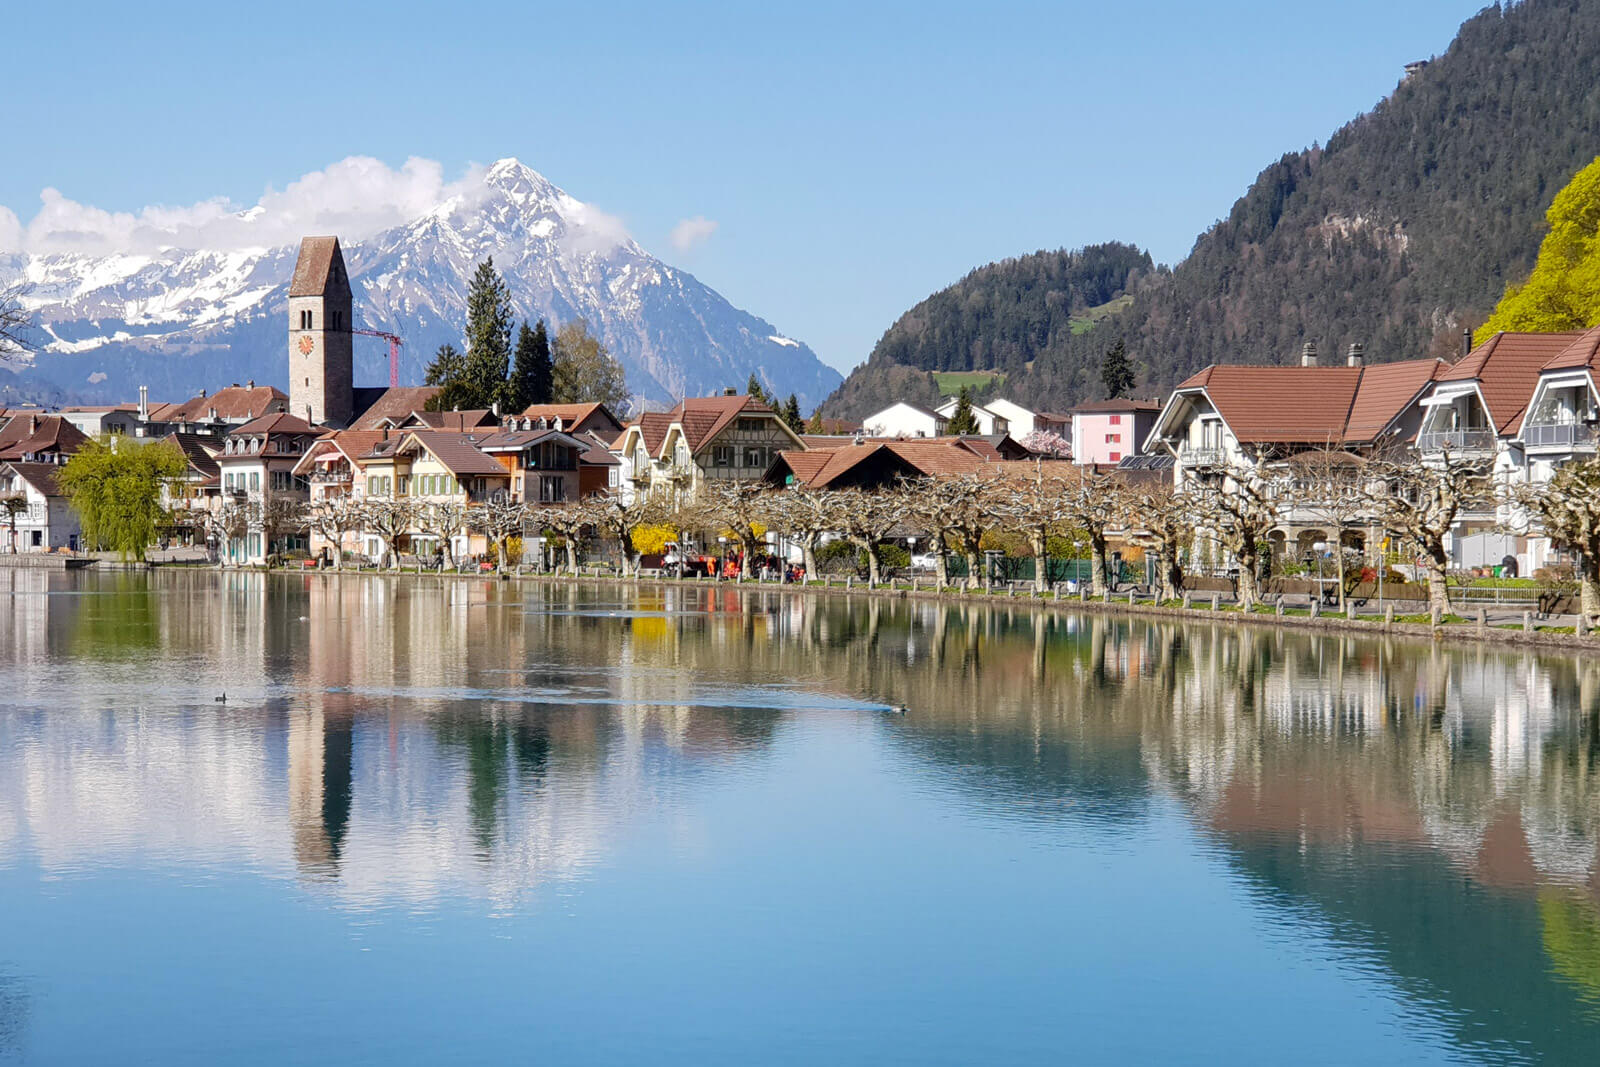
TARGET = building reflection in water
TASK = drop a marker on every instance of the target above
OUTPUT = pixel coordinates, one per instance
(392, 741)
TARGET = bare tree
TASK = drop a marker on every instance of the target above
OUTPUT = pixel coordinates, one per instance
(1160, 517)
(1094, 504)
(499, 521)
(12, 507)
(1240, 508)
(961, 509)
(1036, 506)
(1329, 485)
(15, 323)
(390, 519)
(278, 517)
(1421, 501)
(334, 516)
(740, 508)
(1568, 509)
(444, 520)
(569, 520)
(805, 514)
(866, 519)
(620, 518)
(226, 524)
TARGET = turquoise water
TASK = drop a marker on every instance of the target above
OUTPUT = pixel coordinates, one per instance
(442, 821)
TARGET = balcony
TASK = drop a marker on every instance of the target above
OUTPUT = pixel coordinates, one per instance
(1203, 456)
(331, 477)
(1570, 436)
(1457, 442)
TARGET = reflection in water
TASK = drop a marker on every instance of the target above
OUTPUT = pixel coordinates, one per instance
(397, 742)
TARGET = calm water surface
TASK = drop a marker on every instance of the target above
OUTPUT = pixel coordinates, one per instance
(465, 822)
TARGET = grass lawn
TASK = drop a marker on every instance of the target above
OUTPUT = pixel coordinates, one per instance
(1090, 319)
(951, 382)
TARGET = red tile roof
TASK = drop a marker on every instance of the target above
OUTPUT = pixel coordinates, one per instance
(820, 468)
(1313, 405)
(277, 422)
(234, 403)
(1506, 369)
(395, 405)
(1583, 352)
(457, 452)
(456, 421)
(574, 416)
(27, 435)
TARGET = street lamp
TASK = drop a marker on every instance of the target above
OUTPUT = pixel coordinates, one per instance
(1320, 548)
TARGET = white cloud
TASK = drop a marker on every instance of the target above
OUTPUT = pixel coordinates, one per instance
(691, 232)
(591, 230)
(355, 197)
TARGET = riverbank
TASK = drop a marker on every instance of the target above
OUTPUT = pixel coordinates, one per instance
(1557, 633)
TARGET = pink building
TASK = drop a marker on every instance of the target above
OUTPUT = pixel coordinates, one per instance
(1109, 431)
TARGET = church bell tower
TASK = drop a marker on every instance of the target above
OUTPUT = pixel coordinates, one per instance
(321, 359)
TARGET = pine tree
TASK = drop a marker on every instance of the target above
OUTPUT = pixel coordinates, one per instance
(754, 390)
(531, 370)
(791, 414)
(1116, 372)
(815, 425)
(488, 337)
(962, 420)
(448, 372)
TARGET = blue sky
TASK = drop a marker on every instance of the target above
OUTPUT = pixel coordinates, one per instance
(854, 157)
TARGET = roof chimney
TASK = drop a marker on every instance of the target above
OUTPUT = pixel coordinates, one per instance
(494, 409)
(1466, 340)
(730, 391)
(1357, 355)
(250, 383)
(144, 403)
(1308, 354)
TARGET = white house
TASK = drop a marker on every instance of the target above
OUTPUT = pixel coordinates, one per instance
(906, 420)
(41, 519)
(990, 422)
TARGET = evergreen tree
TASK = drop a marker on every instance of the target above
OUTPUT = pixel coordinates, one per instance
(448, 372)
(488, 337)
(791, 414)
(962, 420)
(815, 425)
(585, 373)
(1116, 373)
(754, 390)
(531, 370)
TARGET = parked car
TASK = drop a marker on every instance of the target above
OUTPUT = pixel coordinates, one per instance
(925, 561)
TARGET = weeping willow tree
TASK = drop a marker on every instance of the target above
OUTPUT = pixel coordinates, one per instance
(114, 486)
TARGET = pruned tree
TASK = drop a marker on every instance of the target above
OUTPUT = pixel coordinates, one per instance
(866, 519)
(499, 521)
(960, 510)
(278, 517)
(1239, 509)
(568, 520)
(804, 514)
(1093, 503)
(444, 519)
(1567, 508)
(1161, 518)
(334, 516)
(619, 517)
(225, 524)
(1421, 501)
(1329, 485)
(744, 511)
(391, 520)
(12, 507)
(1036, 505)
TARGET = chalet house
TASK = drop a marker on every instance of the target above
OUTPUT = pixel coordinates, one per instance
(1021, 421)
(902, 419)
(1109, 431)
(217, 414)
(1229, 420)
(599, 468)
(200, 487)
(257, 465)
(36, 518)
(577, 419)
(990, 421)
(703, 439)
(544, 464)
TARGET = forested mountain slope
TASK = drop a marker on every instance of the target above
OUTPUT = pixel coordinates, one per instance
(1406, 226)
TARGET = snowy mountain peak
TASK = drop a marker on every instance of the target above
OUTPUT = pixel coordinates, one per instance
(184, 319)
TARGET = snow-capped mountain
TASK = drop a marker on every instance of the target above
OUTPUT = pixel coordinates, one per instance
(180, 320)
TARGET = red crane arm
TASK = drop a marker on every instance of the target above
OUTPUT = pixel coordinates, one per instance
(394, 352)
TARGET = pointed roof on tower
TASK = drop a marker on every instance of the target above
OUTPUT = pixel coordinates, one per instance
(320, 268)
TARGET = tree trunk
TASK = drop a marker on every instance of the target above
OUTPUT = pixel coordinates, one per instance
(1338, 553)
(1438, 592)
(874, 561)
(1589, 585)
(1097, 564)
(1041, 560)
(1247, 579)
(572, 555)
(747, 544)
(808, 553)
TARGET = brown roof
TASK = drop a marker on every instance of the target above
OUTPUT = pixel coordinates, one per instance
(202, 460)
(353, 443)
(457, 452)
(1583, 352)
(277, 422)
(319, 268)
(653, 427)
(572, 415)
(457, 421)
(1095, 407)
(820, 468)
(1506, 368)
(234, 402)
(703, 417)
(395, 405)
(30, 434)
(597, 450)
(1313, 405)
(42, 476)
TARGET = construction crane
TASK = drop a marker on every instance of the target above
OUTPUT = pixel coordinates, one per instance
(394, 352)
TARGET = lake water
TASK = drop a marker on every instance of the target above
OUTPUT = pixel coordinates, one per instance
(463, 821)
